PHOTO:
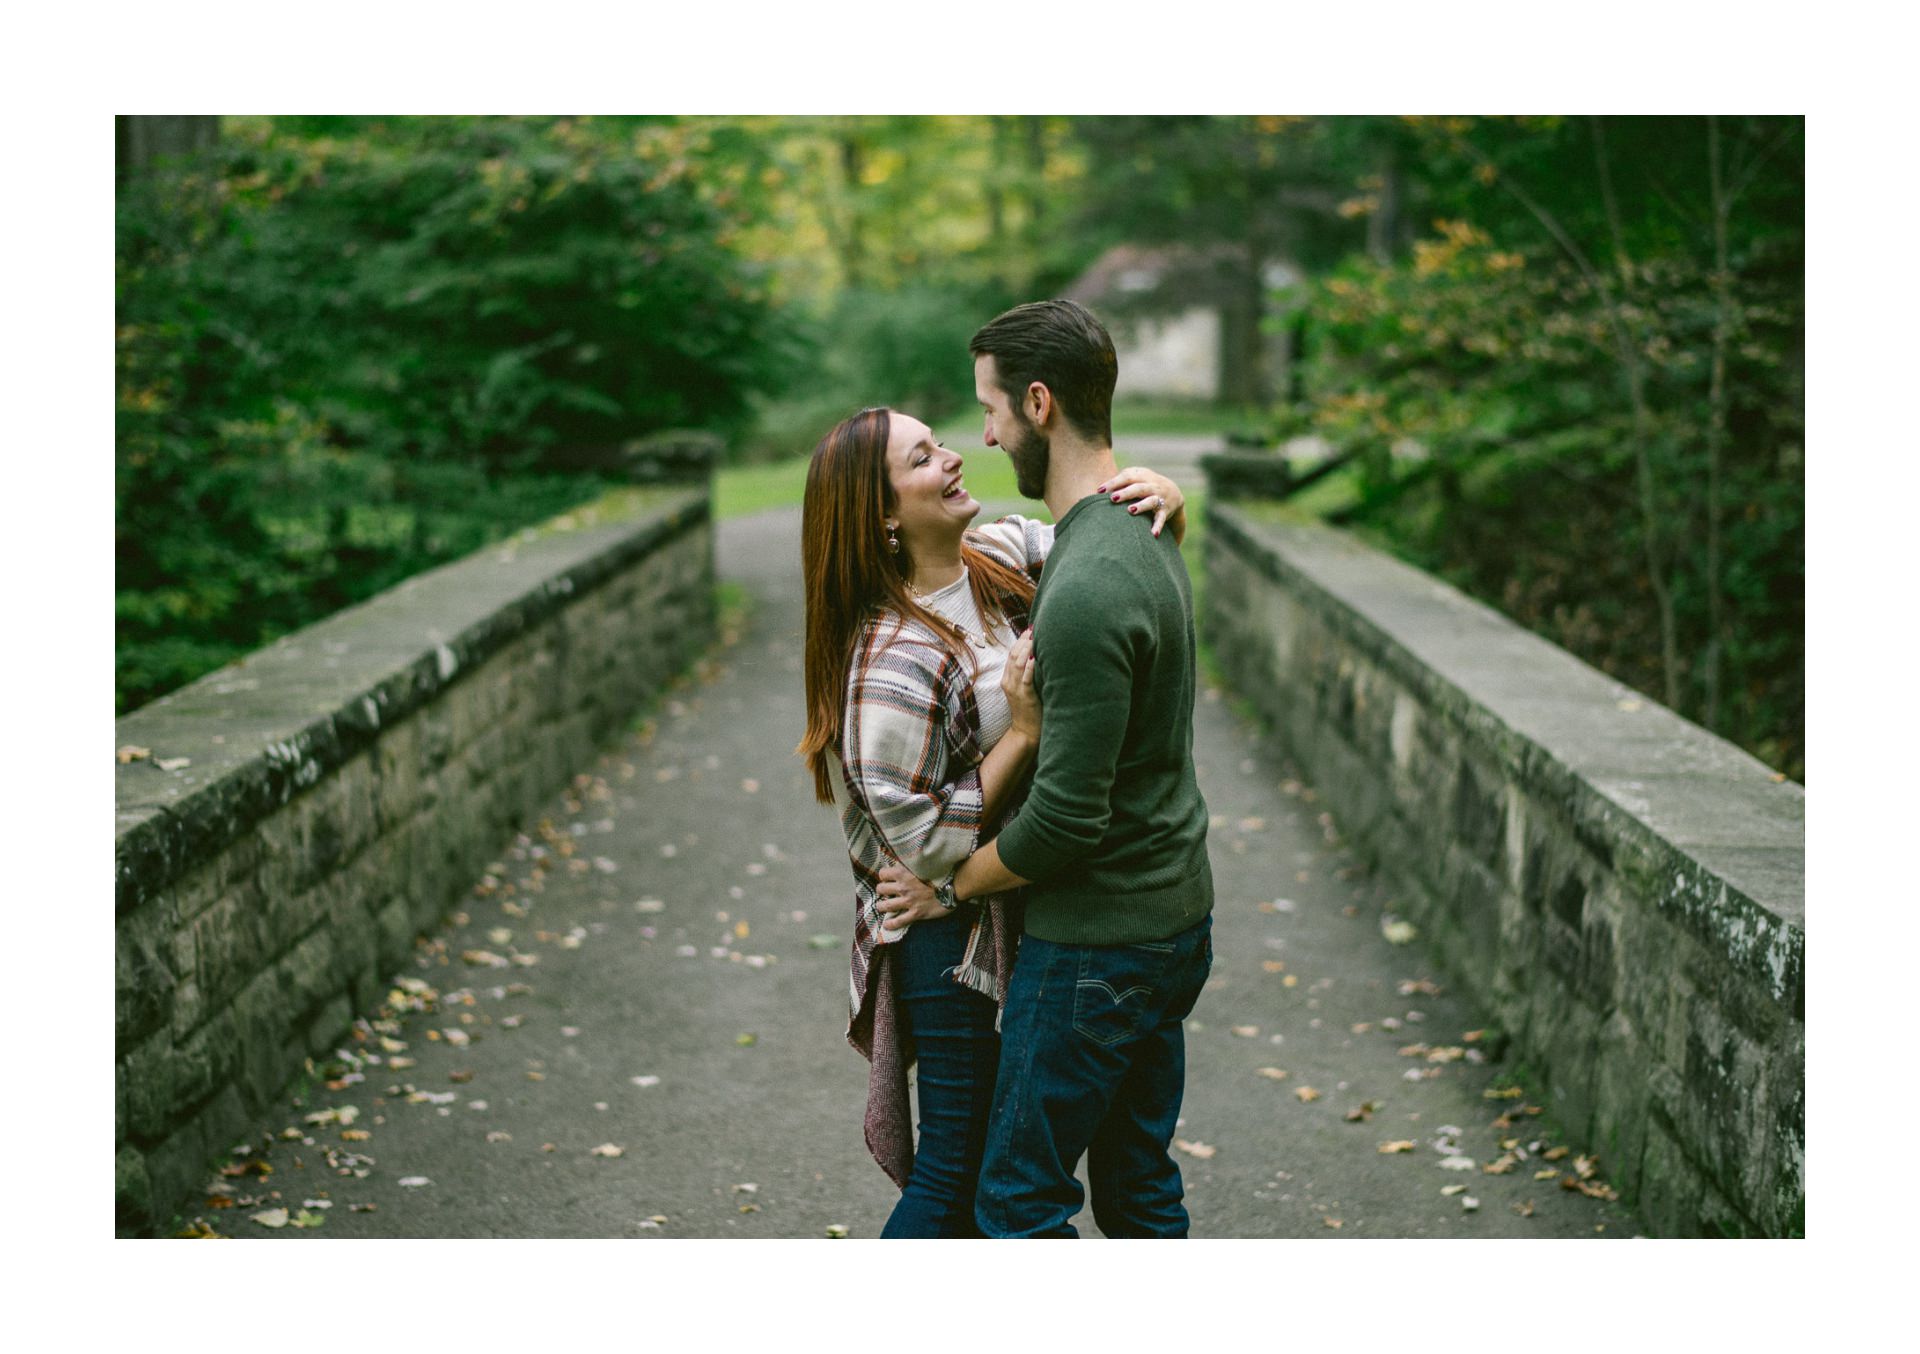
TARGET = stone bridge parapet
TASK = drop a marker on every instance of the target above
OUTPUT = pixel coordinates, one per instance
(1623, 891)
(302, 815)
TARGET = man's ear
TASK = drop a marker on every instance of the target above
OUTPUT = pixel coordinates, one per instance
(1039, 404)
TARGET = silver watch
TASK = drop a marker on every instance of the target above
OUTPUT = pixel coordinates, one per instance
(944, 895)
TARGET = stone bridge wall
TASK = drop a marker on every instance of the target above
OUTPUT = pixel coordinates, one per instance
(1623, 891)
(345, 786)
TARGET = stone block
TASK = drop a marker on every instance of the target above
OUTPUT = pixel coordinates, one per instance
(1725, 1081)
(228, 948)
(1598, 980)
(133, 1206)
(1620, 1103)
(143, 981)
(202, 1063)
(176, 1169)
(306, 973)
(1668, 1200)
(325, 1030)
(268, 1056)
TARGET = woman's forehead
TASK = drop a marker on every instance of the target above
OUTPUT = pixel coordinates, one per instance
(904, 435)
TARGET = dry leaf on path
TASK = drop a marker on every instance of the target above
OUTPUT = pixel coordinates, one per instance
(1305, 1094)
(273, 1217)
(1362, 1112)
(607, 1149)
(1246, 1031)
(130, 753)
(1390, 1148)
(1195, 1149)
(1274, 1073)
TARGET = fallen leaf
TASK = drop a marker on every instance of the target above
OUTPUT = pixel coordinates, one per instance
(746, 1189)
(1451, 1190)
(1469, 1204)
(749, 1208)
(750, 786)
(1502, 1166)
(1503, 1092)
(1398, 932)
(273, 1217)
(362, 1208)
(822, 942)
(1305, 1094)
(1547, 1174)
(1195, 1149)
(644, 1081)
(1461, 1163)
(1525, 1210)
(1584, 1167)
(172, 763)
(1247, 1031)
(130, 753)
(607, 1149)
(836, 1231)
(1273, 966)
(747, 1040)
(1402, 1145)
(498, 1136)
(1360, 1027)
(1425, 987)
(354, 1135)
(1334, 1223)
(483, 959)
(1291, 980)
(414, 1181)
(1361, 1113)
(1554, 1153)
(1274, 1073)
(306, 1218)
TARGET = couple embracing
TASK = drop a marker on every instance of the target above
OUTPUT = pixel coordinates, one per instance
(1010, 750)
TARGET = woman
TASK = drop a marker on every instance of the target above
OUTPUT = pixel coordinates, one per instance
(922, 725)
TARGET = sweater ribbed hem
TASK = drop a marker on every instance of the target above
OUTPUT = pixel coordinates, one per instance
(1089, 915)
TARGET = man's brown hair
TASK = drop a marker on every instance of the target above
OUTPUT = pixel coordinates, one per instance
(1062, 346)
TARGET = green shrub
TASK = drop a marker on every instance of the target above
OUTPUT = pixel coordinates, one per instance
(342, 358)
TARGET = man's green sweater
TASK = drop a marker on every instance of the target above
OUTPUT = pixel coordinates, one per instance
(1114, 831)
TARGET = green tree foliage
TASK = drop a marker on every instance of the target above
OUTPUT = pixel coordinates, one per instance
(1579, 395)
(346, 351)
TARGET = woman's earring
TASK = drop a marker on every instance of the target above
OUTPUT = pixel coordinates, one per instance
(893, 541)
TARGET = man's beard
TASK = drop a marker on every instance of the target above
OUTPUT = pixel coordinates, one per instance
(1030, 450)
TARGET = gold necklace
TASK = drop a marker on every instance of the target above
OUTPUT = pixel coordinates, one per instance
(979, 641)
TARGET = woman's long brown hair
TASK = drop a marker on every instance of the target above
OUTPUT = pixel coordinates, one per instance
(850, 575)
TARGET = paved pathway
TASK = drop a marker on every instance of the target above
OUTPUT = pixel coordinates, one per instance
(661, 1054)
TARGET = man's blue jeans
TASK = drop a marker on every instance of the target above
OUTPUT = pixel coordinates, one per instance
(950, 1027)
(1093, 1062)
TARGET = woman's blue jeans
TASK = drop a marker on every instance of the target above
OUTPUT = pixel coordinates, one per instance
(950, 1028)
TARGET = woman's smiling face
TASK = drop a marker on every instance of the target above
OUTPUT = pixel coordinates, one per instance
(929, 501)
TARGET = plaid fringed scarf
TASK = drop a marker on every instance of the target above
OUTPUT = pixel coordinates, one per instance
(908, 785)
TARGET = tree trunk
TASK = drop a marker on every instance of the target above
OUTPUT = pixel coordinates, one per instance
(1717, 420)
(852, 244)
(141, 142)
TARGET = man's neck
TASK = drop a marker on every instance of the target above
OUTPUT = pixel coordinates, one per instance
(1075, 470)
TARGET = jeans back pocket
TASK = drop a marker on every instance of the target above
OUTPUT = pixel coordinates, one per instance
(1118, 986)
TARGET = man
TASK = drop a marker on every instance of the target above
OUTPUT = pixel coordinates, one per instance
(1112, 838)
